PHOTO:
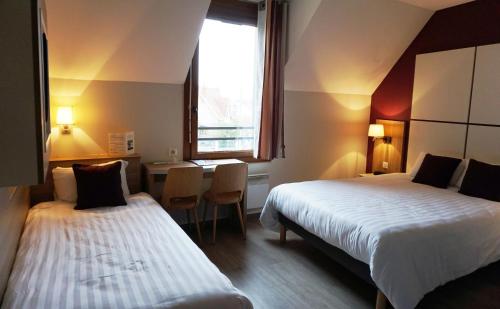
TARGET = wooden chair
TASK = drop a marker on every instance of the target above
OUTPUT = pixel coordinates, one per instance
(228, 185)
(181, 191)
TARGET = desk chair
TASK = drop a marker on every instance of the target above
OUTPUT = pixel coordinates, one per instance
(228, 185)
(181, 191)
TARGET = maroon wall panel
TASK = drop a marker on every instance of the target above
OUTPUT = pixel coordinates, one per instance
(470, 24)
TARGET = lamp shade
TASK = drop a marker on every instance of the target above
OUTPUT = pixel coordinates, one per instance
(376, 130)
(64, 115)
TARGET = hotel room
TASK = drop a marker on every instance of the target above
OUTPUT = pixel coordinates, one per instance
(250, 154)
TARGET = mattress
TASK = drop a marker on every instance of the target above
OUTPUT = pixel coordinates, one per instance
(134, 256)
(414, 237)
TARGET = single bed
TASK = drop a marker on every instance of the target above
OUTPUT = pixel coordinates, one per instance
(132, 256)
(411, 237)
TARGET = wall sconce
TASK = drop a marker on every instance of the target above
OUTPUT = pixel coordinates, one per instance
(377, 131)
(65, 119)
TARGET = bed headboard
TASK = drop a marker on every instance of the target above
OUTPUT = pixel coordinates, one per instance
(45, 192)
(456, 104)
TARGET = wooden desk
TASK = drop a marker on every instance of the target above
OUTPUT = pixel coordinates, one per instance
(152, 169)
(155, 173)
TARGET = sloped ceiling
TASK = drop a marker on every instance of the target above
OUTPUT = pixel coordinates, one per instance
(435, 4)
(123, 40)
(334, 45)
(301, 13)
(350, 46)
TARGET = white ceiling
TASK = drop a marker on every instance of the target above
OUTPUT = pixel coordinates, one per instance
(335, 45)
(435, 5)
(350, 46)
(300, 14)
(123, 40)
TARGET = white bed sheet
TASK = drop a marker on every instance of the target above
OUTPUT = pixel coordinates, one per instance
(124, 257)
(414, 237)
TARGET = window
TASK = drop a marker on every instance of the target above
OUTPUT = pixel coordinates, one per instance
(221, 87)
(226, 73)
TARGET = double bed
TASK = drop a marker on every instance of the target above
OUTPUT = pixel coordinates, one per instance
(406, 238)
(132, 256)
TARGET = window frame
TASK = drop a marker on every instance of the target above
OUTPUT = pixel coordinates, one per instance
(229, 11)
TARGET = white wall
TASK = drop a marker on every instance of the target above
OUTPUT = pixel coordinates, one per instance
(349, 46)
(300, 14)
(325, 134)
(153, 111)
(124, 40)
(325, 137)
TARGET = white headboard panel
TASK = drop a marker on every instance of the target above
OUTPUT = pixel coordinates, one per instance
(456, 104)
(483, 144)
(485, 107)
(445, 139)
(441, 89)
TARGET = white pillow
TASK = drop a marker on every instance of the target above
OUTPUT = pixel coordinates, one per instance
(65, 182)
(417, 164)
(460, 177)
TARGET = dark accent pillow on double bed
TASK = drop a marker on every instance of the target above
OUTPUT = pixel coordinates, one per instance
(98, 186)
(482, 180)
(436, 171)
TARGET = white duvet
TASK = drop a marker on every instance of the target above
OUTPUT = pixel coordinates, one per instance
(134, 256)
(414, 237)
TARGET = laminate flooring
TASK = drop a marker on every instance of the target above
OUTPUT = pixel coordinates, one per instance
(296, 275)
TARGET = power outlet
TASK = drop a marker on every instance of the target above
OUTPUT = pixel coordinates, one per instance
(385, 165)
(172, 152)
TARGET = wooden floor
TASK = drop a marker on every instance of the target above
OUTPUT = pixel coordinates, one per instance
(298, 276)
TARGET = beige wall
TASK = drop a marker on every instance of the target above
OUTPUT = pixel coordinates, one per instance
(152, 111)
(325, 137)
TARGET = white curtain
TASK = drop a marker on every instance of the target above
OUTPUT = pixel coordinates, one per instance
(259, 76)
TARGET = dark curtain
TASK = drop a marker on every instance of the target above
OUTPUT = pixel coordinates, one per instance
(271, 137)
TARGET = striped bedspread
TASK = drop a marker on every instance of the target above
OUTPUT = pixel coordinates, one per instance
(414, 237)
(124, 257)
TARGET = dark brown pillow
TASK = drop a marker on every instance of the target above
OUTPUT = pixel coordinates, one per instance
(436, 171)
(482, 180)
(98, 186)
